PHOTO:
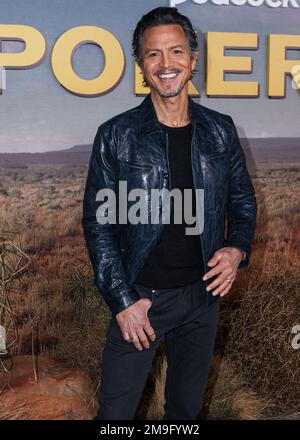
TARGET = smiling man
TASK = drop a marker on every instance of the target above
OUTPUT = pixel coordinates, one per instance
(160, 283)
(162, 43)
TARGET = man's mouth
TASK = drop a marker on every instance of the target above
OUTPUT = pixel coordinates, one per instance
(168, 77)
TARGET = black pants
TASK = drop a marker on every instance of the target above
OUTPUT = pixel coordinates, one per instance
(187, 324)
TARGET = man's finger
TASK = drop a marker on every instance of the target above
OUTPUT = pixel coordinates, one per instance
(150, 331)
(137, 344)
(225, 291)
(226, 285)
(214, 259)
(220, 279)
(125, 334)
(143, 338)
(215, 271)
(127, 337)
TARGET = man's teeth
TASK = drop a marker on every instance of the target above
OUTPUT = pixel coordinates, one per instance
(169, 75)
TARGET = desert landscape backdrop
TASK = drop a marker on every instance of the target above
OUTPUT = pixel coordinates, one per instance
(59, 313)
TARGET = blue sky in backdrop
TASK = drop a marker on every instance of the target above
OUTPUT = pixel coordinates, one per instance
(38, 114)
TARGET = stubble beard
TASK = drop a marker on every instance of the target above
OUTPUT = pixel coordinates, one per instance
(170, 94)
(166, 94)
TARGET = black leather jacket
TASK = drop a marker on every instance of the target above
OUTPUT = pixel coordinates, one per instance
(132, 146)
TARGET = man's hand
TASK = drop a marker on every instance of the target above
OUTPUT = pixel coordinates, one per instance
(226, 261)
(134, 322)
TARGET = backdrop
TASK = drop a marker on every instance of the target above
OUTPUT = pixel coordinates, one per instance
(66, 67)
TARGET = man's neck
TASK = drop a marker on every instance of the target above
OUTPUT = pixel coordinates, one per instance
(171, 111)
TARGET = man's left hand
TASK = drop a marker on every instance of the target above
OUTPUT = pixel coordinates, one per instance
(225, 261)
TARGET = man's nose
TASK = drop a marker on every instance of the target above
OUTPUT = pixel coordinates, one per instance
(166, 60)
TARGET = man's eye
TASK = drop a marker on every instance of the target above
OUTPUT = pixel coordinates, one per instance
(151, 54)
(178, 51)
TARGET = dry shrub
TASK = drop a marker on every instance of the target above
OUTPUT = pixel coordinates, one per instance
(81, 332)
(39, 241)
(257, 367)
(72, 225)
(258, 340)
(228, 397)
(18, 413)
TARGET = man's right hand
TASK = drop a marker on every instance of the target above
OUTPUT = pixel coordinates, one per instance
(133, 321)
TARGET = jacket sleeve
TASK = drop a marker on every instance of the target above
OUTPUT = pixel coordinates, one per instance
(101, 239)
(242, 207)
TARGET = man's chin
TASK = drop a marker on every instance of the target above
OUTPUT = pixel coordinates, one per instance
(169, 94)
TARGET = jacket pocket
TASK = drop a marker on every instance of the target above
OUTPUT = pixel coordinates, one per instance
(145, 292)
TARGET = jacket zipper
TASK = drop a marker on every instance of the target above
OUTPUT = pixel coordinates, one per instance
(203, 255)
(168, 163)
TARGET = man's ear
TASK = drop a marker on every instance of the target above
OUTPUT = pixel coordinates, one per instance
(142, 73)
(141, 68)
(194, 58)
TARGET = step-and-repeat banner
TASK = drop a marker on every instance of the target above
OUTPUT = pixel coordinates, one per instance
(67, 66)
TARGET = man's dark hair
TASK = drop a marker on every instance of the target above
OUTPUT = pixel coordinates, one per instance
(161, 16)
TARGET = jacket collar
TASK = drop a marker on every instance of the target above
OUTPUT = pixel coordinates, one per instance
(148, 121)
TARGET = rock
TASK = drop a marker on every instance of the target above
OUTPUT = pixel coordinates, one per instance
(60, 392)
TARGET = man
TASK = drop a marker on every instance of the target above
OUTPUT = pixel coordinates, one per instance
(161, 283)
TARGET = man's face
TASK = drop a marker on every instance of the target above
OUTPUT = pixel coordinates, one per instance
(167, 64)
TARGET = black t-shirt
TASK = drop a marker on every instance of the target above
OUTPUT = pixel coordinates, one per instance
(177, 258)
